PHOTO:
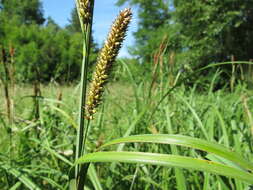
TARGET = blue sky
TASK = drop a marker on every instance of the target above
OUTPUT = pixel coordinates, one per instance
(104, 13)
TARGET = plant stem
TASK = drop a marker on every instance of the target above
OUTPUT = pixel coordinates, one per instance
(83, 127)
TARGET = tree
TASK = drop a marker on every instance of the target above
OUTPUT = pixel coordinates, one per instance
(28, 11)
(41, 51)
(74, 25)
(214, 30)
(199, 31)
(153, 15)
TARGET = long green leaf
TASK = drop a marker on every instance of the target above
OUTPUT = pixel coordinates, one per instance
(66, 115)
(196, 72)
(16, 186)
(46, 146)
(180, 178)
(196, 117)
(53, 183)
(94, 178)
(181, 140)
(168, 160)
(21, 177)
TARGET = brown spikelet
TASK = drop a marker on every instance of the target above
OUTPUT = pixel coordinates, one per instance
(105, 60)
(85, 12)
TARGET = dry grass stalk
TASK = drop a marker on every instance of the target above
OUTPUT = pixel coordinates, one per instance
(247, 111)
(12, 68)
(12, 78)
(105, 61)
(232, 81)
(171, 66)
(250, 70)
(37, 94)
(158, 62)
(5, 81)
(59, 98)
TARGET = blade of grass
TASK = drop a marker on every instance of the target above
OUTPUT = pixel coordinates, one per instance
(94, 178)
(54, 154)
(181, 140)
(128, 132)
(188, 77)
(202, 127)
(21, 177)
(223, 126)
(66, 115)
(135, 86)
(53, 183)
(168, 160)
(16, 186)
(180, 178)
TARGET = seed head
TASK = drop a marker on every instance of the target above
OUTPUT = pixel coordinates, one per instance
(85, 11)
(105, 61)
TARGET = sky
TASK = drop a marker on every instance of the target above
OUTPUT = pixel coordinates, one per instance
(105, 12)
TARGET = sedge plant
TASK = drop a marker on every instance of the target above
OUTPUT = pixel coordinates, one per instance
(101, 74)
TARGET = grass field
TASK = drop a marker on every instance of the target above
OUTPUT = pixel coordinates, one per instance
(41, 150)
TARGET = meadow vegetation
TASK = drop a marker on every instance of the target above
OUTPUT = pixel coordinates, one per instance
(39, 148)
(152, 122)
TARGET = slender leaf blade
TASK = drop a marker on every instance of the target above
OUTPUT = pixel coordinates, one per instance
(186, 141)
(21, 177)
(167, 160)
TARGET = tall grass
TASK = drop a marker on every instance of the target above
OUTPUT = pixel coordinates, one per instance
(174, 136)
(46, 160)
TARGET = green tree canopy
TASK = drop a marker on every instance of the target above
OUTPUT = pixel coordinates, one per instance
(198, 31)
(214, 30)
(43, 50)
(153, 17)
(74, 25)
(27, 11)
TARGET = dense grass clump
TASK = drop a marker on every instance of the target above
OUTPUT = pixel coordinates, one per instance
(42, 150)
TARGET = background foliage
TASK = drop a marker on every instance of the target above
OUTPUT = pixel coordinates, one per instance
(200, 32)
(42, 49)
(195, 32)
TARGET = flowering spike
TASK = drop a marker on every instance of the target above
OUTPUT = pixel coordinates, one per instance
(106, 59)
(84, 10)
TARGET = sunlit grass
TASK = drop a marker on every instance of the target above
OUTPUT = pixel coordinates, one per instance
(118, 114)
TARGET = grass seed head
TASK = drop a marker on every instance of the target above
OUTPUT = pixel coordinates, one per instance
(85, 11)
(106, 59)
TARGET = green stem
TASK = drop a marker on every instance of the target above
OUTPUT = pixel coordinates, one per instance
(83, 126)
